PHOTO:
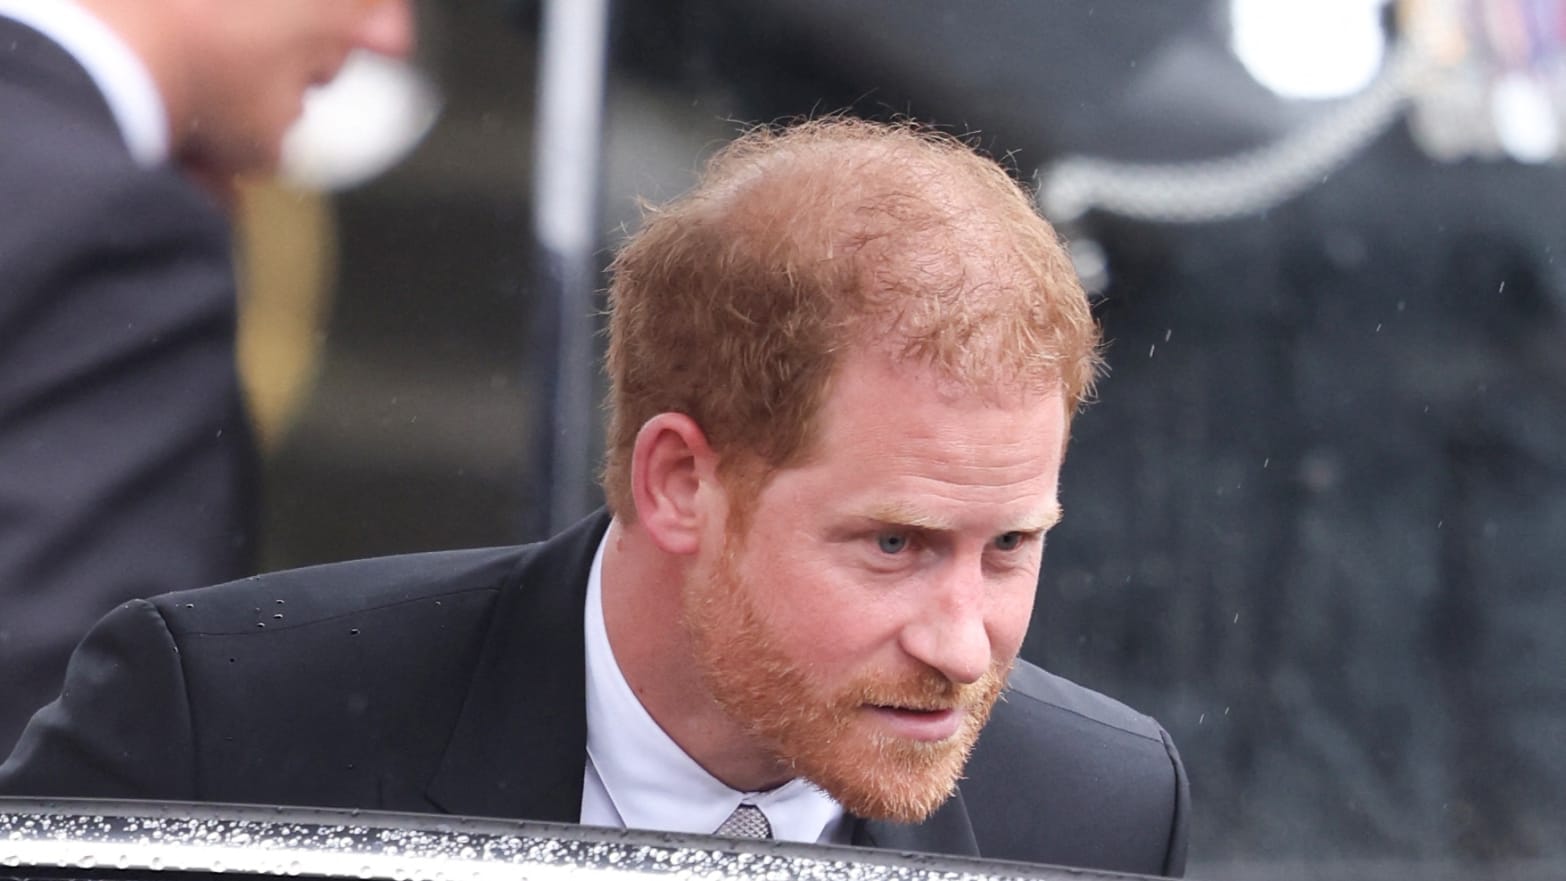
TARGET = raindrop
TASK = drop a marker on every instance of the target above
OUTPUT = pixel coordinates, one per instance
(261, 625)
(353, 632)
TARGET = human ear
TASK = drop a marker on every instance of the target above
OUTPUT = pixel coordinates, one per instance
(671, 466)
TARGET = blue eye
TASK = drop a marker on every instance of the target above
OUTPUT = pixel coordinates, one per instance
(892, 542)
(1009, 541)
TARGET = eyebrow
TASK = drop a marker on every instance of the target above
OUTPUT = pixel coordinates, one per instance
(898, 514)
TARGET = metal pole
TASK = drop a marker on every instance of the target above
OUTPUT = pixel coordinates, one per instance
(567, 159)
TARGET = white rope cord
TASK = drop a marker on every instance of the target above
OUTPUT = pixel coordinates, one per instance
(1232, 186)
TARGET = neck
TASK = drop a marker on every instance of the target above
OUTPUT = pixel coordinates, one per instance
(151, 31)
(643, 597)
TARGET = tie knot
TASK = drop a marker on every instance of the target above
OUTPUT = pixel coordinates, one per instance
(747, 821)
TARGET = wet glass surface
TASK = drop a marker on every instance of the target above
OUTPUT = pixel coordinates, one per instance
(38, 838)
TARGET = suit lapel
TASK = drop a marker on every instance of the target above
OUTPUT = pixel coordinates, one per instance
(520, 745)
(947, 831)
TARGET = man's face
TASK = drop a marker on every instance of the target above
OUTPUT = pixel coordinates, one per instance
(863, 625)
(250, 64)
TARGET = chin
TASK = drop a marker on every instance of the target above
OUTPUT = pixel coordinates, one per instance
(884, 777)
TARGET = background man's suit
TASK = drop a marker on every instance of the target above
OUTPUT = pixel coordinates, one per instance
(455, 682)
(126, 464)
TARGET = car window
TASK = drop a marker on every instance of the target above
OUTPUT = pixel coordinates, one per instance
(87, 839)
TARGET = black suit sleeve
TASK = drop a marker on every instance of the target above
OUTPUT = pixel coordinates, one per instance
(122, 726)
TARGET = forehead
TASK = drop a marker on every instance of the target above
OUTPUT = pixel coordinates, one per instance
(894, 436)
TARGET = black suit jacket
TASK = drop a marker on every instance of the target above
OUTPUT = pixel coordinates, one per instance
(455, 682)
(125, 458)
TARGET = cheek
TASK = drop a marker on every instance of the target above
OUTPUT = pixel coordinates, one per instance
(257, 103)
(1007, 619)
(817, 613)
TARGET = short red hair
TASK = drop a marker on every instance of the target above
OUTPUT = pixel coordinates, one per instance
(733, 303)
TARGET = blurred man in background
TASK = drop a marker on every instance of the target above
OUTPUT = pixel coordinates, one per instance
(126, 460)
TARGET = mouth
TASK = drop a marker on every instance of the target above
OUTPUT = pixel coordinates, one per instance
(928, 724)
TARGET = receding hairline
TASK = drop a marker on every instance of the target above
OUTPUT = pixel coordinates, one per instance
(864, 212)
(904, 204)
(862, 159)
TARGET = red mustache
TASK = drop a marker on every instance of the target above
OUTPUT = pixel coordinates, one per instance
(929, 691)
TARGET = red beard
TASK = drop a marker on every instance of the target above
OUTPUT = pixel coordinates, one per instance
(831, 739)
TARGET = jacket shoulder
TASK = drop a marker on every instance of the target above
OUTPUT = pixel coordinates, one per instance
(334, 685)
(311, 596)
(1034, 692)
(1064, 774)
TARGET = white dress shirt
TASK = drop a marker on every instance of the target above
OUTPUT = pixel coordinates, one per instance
(114, 67)
(638, 777)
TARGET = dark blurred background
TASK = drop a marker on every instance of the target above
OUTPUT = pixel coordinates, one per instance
(1317, 521)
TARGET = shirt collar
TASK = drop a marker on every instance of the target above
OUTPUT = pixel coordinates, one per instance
(651, 781)
(114, 67)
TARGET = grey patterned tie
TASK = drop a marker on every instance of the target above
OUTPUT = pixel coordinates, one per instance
(747, 821)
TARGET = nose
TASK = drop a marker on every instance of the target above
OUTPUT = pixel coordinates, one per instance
(949, 633)
(387, 28)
